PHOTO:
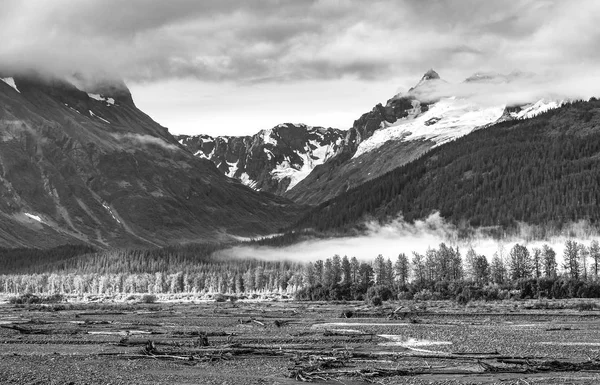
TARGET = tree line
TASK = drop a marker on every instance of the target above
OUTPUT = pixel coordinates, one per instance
(442, 273)
(439, 273)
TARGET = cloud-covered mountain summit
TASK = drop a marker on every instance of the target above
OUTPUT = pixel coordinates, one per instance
(89, 167)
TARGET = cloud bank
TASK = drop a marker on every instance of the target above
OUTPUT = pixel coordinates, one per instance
(321, 62)
(275, 41)
(511, 89)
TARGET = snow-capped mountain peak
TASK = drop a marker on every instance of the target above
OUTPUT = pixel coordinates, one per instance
(274, 159)
(428, 112)
(534, 109)
(444, 121)
(429, 79)
(431, 74)
(449, 119)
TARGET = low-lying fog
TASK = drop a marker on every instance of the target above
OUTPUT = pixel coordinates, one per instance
(402, 237)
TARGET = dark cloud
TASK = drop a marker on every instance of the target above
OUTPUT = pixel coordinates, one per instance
(285, 40)
(280, 30)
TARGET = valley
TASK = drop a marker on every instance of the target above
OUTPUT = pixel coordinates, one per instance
(282, 342)
(282, 192)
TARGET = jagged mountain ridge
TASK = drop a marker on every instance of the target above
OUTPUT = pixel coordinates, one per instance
(272, 160)
(281, 160)
(405, 128)
(89, 167)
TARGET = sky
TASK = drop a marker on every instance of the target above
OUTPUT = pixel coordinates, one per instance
(224, 67)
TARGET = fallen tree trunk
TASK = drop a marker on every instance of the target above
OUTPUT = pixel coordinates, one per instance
(23, 330)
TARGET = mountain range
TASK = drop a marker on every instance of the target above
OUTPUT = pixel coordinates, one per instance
(87, 166)
(310, 169)
(81, 163)
(538, 171)
(272, 160)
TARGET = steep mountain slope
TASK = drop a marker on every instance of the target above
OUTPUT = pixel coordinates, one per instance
(272, 160)
(538, 171)
(405, 128)
(90, 167)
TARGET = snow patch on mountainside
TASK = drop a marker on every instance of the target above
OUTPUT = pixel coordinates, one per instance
(245, 179)
(446, 120)
(269, 153)
(266, 137)
(207, 139)
(315, 155)
(537, 108)
(96, 116)
(11, 82)
(107, 208)
(233, 167)
(34, 217)
(294, 172)
(200, 154)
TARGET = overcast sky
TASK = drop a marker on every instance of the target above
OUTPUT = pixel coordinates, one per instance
(228, 67)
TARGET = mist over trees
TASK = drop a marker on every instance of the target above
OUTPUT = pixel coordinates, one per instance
(439, 273)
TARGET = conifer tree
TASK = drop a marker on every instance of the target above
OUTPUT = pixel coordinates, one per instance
(319, 267)
(536, 259)
(595, 256)
(549, 259)
(571, 259)
(336, 269)
(481, 270)
(583, 263)
(354, 267)
(418, 266)
(346, 271)
(470, 264)
(401, 270)
(366, 276)
(389, 273)
(379, 268)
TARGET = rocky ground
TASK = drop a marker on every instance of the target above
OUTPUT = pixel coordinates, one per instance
(291, 342)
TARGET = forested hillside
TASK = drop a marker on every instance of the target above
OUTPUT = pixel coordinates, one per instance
(538, 171)
(26, 260)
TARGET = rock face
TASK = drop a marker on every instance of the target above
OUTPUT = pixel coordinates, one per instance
(90, 167)
(273, 160)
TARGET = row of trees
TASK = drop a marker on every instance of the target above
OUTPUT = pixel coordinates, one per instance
(580, 262)
(441, 271)
(257, 277)
(446, 264)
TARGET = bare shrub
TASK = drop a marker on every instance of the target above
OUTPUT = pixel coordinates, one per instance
(149, 298)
